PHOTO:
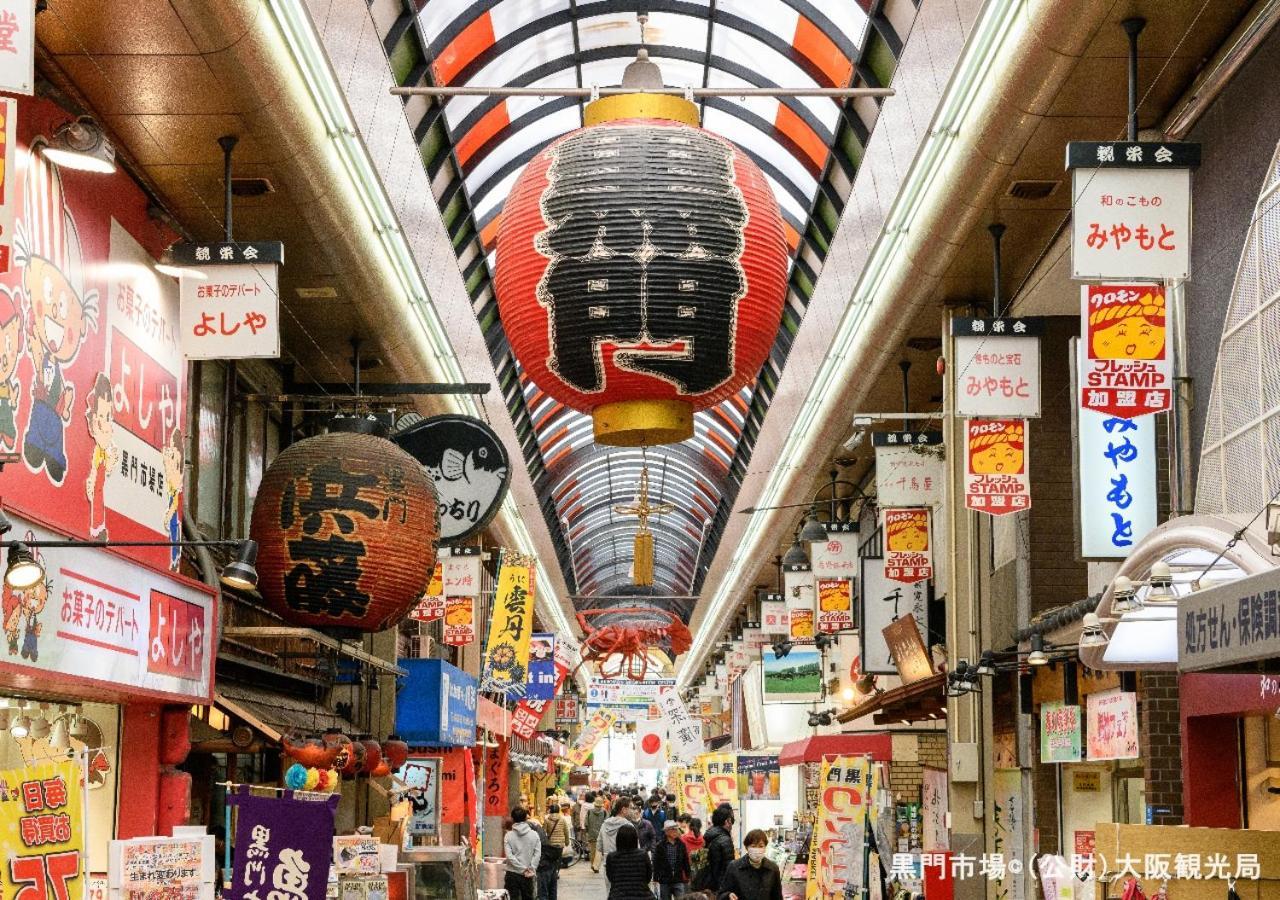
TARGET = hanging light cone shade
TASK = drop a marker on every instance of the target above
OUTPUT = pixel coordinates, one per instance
(643, 567)
(813, 532)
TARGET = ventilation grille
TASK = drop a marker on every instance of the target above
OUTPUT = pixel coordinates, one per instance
(251, 187)
(1032, 190)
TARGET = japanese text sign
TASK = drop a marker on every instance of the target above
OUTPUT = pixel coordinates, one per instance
(566, 709)
(798, 588)
(595, 729)
(1127, 368)
(461, 575)
(528, 713)
(884, 602)
(836, 557)
(997, 366)
(693, 793)
(496, 774)
(542, 667)
(1112, 724)
(684, 733)
(996, 480)
(845, 791)
(1131, 222)
(1230, 624)
(908, 551)
(835, 604)
(720, 774)
(157, 868)
(43, 824)
(421, 787)
(910, 469)
(283, 847)
(1117, 482)
(905, 641)
(1059, 732)
(459, 621)
(506, 656)
(773, 615)
(431, 606)
(18, 46)
(231, 310)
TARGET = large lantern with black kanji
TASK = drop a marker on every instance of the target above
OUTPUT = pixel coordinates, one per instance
(642, 269)
(346, 525)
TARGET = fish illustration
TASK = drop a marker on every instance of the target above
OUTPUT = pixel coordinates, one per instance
(454, 465)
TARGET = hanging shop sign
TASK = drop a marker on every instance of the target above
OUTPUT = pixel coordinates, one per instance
(1116, 482)
(495, 762)
(693, 793)
(231, 310)
(18, 46)
(159, 868)
(846, 790)
(759, 778)
(835, 604)
(795, 678)
(457, 785)
(529, 711)
(997, 367)
(1112, 718)
(459, 621)
(905, 641)
(438, 704)
(684, 733)
(622, 693)
(1127, 370)
(720, 774)
(996, 479)
(595, 728)
(43, 821)
(1009, 830)
(773, 615)
(1131, 209)
(798, 587)
(669, 301)
(910, 468)
(506, 655)
(1231, 624)
(469, 465)
(651, 744)
(283, 845)
(883, 603)
(420, 779)
(431, 606)
(908, 550)
(1059, 732)
(96, 615)
(93, 391)
(933, 810)
(461, 571)
(8, 178)
(331, 511)
(566, 709)
(542, 666)
(837, 556)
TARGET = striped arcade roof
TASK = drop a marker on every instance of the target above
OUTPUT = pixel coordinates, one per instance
(475, 147)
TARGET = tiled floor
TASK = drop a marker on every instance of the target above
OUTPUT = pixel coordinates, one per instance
(580, 883)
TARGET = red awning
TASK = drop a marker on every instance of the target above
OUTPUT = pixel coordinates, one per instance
(878, 746)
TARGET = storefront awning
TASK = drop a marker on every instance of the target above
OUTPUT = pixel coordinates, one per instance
(878, 746)
(915, 702)
(276, 714)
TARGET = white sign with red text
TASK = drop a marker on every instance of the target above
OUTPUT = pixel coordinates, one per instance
(910, 468)
(1127, 368)
(996, 479)
(836, 557)
(461, 576)
(18, 46)
(997, 368)
(1130, 223)
(232, 313)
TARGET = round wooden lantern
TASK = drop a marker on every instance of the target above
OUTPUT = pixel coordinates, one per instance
(642, 269)
(346, 525)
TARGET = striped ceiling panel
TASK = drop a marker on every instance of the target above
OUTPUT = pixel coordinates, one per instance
(474, 148)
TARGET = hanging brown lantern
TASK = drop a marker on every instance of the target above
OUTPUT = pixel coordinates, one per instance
(372, 757)
(346, 525)
(395, 752)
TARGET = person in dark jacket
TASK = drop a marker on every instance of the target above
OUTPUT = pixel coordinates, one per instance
(671, 863)
(752, 877)
(719, 840)
(646, 833)
(628, 868)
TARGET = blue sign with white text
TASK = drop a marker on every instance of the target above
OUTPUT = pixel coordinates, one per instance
(437, 704)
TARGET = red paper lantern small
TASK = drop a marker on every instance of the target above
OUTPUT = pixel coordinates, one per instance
(372, 757)
(346, 525)
(395, 752)
(641, 269)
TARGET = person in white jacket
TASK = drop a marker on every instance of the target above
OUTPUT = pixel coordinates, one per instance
(524, 849)
(608, 841)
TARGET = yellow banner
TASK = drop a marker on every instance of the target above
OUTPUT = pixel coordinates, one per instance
(693, 793)
(845, 791)
(596, 728)
(720, 775)
(506, 654)
(42, 831)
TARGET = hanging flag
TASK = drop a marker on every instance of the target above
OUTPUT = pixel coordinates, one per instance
(456, 790)
(845, 790)
(43, 822)
(596, 728)
(996, 479)
(1127, 371)
(528, 712)
(459, 621)
(651, 744)
(283, 846)
(720, 774)
(684, 733)
(835, 604)
(506, 655)
(542, 667)
(495, 761)
(908, 556)
(693, 793)
(798, 588)
(432, 604)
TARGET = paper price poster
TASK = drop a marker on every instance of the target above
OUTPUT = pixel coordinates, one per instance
(759, 778)
(162, 868)
(835, 604)
(996, 480)
(1113, 724)
(1059, 733)
(43, 826)
(459, 621)
(1127, 369)
(845, 791)
(908, 550)
(506, 655)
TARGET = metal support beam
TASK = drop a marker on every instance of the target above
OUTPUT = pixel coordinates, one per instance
(588, 92)
(392, 389)
(316, 637)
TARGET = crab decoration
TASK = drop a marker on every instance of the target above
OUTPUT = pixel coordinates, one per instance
(622, 651)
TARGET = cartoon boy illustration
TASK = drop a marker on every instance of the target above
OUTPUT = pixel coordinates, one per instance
(172, 457)
(98, 413)
(998, 449)
(12, 617)
(10, 353)
(910, 536)
(1129, 329)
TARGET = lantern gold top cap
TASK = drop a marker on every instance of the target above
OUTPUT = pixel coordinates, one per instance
(640, 106)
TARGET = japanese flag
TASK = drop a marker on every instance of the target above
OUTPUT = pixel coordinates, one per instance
(651, 744)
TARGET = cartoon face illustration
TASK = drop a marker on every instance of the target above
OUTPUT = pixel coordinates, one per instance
(10, 338)
(458, 615)
(911, 539)
(99, 413)
(998, 452)
(60, 317)
(1129, 330)
(172, 457)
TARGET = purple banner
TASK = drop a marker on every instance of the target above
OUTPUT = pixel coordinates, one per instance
(542, 667)
(283, 847)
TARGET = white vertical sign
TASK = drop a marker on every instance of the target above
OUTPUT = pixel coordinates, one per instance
(684, 733)
(18, 46)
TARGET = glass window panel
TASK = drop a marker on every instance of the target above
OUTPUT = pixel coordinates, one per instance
(771, 15)
(210, 425)
(664, 29)
(536, 132)
(437, 15)
(553, 44)
(509, 15)
(786, 73)
(850, 18)
(763, 145)
(518, 106)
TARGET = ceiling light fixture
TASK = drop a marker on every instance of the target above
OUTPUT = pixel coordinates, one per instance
(781, 649)
(1123, 595)
(80, 144)
(814, 532)
(796, 556)
(241, 573)
(1091, 633)
(22, 727)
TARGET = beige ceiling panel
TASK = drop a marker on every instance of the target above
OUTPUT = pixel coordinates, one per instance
(92, 26)
(119, 85)
(190, 139)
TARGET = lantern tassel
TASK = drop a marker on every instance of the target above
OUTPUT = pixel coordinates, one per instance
(643, 565)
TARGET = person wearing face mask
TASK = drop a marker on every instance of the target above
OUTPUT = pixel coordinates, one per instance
(647, 833)
(752, 877)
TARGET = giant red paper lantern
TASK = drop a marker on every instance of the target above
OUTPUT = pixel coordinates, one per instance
(346, 525)
(641, 269)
